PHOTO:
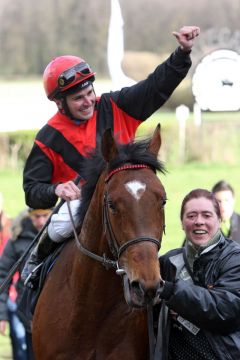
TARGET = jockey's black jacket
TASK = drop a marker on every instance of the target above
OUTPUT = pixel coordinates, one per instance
(61, 144)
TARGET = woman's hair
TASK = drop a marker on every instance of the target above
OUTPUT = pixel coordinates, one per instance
(198, 193)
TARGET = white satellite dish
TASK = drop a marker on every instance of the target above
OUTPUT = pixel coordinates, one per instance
(216, 81)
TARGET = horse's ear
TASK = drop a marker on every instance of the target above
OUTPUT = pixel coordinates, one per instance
(108, 146)
(155, 142)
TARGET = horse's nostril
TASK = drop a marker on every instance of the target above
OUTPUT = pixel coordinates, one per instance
(137, 287)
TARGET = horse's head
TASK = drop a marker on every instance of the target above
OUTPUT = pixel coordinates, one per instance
(134, 200)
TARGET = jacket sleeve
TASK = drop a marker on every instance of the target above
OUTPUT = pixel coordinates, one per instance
(39, 192)
(7, 260)
(215, 307)
(144, 98)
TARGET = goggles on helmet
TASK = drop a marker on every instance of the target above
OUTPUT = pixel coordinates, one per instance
(73, 74)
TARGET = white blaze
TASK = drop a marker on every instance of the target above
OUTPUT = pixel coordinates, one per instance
(136, 188)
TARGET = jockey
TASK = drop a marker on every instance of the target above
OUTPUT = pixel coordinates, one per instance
(61, 145)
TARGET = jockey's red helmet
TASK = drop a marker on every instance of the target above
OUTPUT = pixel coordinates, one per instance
(64, 72)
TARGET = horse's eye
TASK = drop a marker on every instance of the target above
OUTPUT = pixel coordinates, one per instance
(111, 206)
(163, 203)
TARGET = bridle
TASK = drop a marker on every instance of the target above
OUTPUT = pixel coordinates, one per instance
(114, 247)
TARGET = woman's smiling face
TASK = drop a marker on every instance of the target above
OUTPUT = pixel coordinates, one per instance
(200, 220)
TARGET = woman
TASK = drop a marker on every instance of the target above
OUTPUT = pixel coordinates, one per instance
(202, 286)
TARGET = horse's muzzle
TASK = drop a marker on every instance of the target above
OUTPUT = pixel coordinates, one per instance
(137, 295)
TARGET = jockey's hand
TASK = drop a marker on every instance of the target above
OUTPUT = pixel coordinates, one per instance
(3, 326)
(186, 35)
(68, 191)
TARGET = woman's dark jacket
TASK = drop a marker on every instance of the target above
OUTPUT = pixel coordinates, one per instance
(213, 302)
(13, 250)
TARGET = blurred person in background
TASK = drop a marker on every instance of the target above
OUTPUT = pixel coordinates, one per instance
(225, 196)
(5, 226)
(24, 229)
(62, 144)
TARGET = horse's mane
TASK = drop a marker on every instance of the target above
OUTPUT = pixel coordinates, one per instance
(93, 165)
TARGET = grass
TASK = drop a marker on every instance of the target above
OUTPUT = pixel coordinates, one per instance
(12, 191)
(5, 347)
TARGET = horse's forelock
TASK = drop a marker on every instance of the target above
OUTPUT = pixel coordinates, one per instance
(92, 167)
(136, 153)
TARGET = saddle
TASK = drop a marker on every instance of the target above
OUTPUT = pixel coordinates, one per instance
(32, 291)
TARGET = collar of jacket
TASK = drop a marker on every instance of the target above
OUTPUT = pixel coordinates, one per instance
(194, 251)
(178, 261)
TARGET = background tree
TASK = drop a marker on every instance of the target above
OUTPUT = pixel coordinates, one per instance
(32, 32)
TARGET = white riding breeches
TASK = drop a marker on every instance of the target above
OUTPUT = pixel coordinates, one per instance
(60, 226)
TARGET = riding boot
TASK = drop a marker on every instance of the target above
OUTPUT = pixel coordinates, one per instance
(44, 247)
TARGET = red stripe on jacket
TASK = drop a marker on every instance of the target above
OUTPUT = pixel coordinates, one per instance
(82, 137)
(61, 171)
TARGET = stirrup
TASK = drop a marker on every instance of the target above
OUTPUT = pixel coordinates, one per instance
(29, 282)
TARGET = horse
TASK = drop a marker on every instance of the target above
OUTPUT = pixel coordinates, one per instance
(93, 303)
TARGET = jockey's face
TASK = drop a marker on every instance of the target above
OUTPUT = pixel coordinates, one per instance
(82, 103)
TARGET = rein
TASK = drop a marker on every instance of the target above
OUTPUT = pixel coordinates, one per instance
(151, 335)
(108, 263)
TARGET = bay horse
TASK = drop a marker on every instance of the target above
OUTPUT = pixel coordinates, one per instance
(88, 312)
